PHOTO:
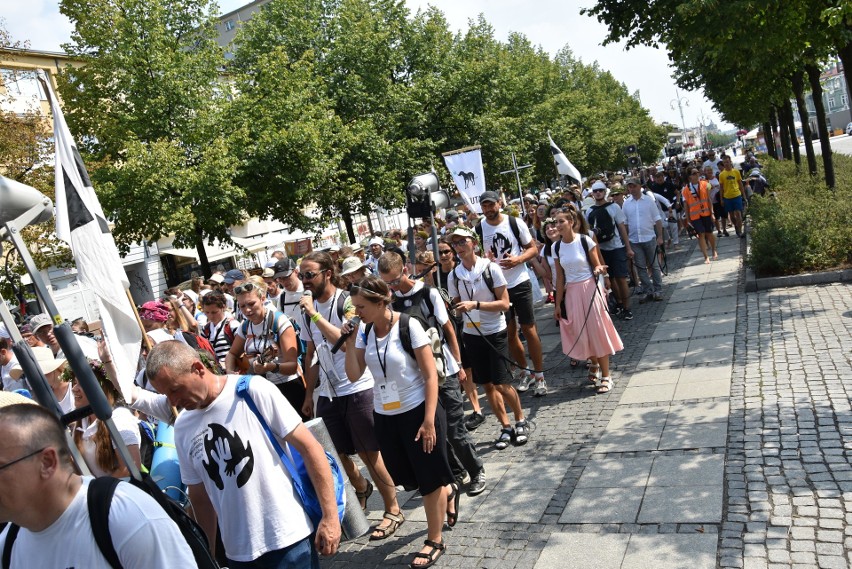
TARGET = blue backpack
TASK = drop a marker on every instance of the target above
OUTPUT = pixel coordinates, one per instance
(296, 467)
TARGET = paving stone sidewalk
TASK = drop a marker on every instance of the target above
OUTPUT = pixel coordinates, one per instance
(725, 443)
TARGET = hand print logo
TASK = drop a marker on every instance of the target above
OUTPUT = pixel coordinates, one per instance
(227, 456)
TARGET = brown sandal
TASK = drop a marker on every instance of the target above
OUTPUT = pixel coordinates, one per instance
(363, 496)
(395, 520)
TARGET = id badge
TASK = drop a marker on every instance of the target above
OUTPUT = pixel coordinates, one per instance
(389, 396)
(473, 322)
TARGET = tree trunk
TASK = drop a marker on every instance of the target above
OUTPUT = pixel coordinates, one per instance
(794, 137)
(798, 81)
(202, 253)
(773, 121)
(769, 139)
(825, 143)
(347, 221)
(786, 151)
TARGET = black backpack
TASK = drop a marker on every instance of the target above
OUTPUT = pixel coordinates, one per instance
(513, 225)
(405, 340)
(99, 500)
(601, 223)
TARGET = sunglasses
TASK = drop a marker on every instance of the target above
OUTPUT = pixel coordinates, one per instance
(394, 282)
(458, 243)
(307, 276)
(597, 190)
(247, 287)
(445, 251)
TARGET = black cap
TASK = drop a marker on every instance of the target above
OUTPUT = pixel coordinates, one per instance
(489, 196)
(284, 267)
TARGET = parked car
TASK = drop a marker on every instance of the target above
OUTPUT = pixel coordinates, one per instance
(849, 129)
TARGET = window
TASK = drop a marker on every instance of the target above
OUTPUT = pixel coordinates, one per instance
(831, 103)
(229, 25)
(844, 100)
(21, 90)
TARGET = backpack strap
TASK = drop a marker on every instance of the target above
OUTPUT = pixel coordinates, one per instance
(488, 278)
(405, 334)
(99, 499)
(513, 225)
(11, 536)
(478, 229)
(588, 256)
(341, 303)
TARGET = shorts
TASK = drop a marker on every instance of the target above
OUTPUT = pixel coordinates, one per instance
(734, 204)
(488, 366)
(719, 211)
(407, 463)
(703, 224)
(616, 262)
(349, 420)
(521, 304)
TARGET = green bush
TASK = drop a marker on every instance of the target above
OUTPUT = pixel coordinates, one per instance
(801, 225)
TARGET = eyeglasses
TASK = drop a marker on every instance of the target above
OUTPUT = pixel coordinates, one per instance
(394, 282)
(458, 243)
(17, 460)
(445, 251)
(248, 287)
(307, 276)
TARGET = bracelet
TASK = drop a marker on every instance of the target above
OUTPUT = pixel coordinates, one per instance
(316, 317)
(477, 305)
(107, 362)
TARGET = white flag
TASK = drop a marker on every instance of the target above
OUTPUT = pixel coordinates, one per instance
(466, 170)
(563, 165)
(81, 223)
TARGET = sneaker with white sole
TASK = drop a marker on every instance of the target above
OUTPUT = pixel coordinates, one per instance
(473, 421)
(525, 382)
(477, 483)
(540, 388)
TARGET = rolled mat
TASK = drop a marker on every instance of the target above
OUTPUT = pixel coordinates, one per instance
(355, 523)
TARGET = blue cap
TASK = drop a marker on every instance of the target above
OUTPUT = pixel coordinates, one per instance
(234, 275)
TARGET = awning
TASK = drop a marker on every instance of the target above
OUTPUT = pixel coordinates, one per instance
(252, 244)
(214, 252)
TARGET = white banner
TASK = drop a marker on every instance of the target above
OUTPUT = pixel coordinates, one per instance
(466, 170)
(80, 221)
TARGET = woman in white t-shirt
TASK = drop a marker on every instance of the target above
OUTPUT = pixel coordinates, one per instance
(268, 339)
(409, 423)
(584, 324)
(92, 436)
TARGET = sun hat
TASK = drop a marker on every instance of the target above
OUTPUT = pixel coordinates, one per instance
(45, 359)
(351, 265)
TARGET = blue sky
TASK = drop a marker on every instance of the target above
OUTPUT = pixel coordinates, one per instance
(552, 24)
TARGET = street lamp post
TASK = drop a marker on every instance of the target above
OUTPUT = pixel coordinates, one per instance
(680, 101)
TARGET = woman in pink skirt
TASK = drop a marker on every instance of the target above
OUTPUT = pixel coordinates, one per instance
(578, 264)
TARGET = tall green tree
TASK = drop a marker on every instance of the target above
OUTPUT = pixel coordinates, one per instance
(146, 106)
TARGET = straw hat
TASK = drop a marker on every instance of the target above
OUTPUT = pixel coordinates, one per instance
(45, 359)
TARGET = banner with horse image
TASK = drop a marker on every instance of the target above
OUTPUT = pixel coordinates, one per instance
(465, 166)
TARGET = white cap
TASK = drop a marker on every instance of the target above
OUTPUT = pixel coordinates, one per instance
(598, 185)
(377, 241)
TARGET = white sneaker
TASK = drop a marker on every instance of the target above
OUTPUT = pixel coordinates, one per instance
(525, 382)
(540, 388)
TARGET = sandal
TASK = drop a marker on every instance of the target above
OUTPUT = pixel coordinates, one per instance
(431, 557)
(594, 369)
(387, 531)
(362, 496)
(606, 386)
(454, 497)
(504, 439)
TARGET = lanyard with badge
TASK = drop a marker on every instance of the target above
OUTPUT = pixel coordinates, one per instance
(474, 317)
(388, 390)
(325, 358)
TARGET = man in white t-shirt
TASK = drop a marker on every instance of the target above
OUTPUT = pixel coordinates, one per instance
(232, 470)
(41, 493)
(345, 406)
(711, 162)
(511, 250)
(615, 250)
(286, 274)
(273, 293)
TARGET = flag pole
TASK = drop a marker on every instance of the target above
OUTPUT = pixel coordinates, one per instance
(461, 150)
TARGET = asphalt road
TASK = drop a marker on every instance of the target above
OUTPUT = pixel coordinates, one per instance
(841, 144)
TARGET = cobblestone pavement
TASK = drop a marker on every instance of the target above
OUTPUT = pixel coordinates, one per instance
(725, 443)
